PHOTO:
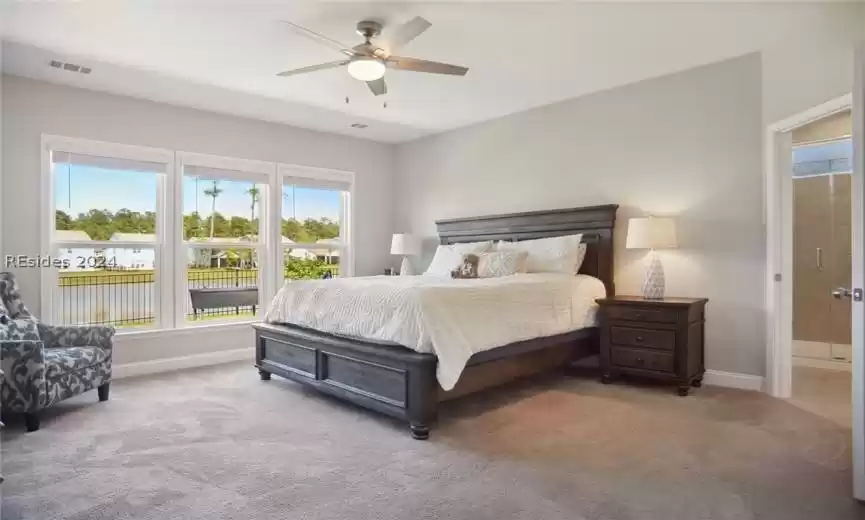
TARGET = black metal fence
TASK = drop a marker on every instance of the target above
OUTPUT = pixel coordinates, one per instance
(124, 299)
(128, 298)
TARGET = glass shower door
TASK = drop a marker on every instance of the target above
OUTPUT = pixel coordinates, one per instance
(822, 250)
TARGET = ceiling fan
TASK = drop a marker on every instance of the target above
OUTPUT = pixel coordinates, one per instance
(369, 60)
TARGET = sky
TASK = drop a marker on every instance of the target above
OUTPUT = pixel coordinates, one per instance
(99, 188)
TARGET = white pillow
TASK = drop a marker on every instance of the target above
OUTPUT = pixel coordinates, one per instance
(550, 255)
(448, 258)
(581, 255)
(501, 263)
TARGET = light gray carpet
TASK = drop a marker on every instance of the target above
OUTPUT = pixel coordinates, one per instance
(218, 443)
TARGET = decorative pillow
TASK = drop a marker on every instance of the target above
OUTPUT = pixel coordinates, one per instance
(448, 258)
(502, 263)
(550, 255)
(468, 268)
(23, 329)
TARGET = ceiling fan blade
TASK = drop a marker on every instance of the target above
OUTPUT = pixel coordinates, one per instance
(378, 86)
(434, 67)
(313, 68)
(405, 33)
(320, 38)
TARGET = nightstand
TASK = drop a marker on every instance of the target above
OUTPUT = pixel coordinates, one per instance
(659, 339)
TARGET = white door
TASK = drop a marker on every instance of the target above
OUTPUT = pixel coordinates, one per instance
(858, 318)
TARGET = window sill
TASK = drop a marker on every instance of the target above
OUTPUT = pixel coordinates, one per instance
(155, 333)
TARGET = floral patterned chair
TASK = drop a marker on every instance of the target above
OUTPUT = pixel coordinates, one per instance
(45, 364)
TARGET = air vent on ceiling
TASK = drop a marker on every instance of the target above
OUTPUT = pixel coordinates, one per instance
(359, 125)
(71, 67)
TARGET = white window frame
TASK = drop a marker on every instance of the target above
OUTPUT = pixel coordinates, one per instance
(162, 271)
(346, 217)
(230, 169)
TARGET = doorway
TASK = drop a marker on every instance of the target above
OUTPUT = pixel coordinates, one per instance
(822, 159)
(778, 178)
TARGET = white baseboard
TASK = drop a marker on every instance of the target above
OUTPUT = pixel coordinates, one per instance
(733, 380)
(177, 363)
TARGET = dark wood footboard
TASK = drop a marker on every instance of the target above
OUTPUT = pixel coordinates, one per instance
(389, 379)
(400, 382)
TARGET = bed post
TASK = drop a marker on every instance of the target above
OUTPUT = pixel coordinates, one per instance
(422, 399)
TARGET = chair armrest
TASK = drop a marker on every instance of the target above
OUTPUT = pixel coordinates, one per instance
(76, 336)
(23, 364)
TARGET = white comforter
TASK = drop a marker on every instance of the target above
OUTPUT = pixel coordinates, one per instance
(453, 319)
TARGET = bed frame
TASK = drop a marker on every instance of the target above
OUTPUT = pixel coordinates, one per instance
(400, 382)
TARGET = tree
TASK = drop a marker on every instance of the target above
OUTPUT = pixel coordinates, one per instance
(63, 221)
(191, 225)
(253, 194)
(213, 193)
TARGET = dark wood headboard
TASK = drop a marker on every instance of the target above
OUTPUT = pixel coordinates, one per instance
(594, 222)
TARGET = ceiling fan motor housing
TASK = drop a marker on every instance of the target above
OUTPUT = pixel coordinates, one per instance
(368, 28)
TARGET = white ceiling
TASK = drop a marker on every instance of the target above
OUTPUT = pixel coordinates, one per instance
(224, 56)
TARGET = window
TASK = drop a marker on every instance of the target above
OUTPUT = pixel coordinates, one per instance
(151, 238)
(105, 233)
(223, 202)
(823, 158)
(315, 241)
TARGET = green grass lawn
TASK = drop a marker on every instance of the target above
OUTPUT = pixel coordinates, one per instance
(225, 276)
(78, 278)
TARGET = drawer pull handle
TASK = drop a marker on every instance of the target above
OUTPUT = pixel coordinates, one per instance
(640, 338)
(640, 361)
(638, 315)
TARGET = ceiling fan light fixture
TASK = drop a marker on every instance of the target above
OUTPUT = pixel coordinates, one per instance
(366, 69)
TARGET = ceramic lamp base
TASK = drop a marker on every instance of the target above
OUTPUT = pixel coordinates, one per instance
(653, 285)
(406, 269)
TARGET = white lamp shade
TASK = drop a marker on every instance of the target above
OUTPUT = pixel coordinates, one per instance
(405, 244)
(651, 233)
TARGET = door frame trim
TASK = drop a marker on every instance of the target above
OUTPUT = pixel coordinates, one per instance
(778, 210)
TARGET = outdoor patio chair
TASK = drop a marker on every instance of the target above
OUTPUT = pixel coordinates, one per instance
(45, 364)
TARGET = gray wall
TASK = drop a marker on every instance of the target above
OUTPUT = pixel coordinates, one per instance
(810, 68)
(31, 108)
(688, 144)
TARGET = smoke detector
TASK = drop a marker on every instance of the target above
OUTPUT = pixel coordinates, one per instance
(71, 67)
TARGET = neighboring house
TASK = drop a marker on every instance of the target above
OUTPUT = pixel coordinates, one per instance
(80, 258)
(329, 253)
(242, 257)
(143, 257)
(226, 257)
(298, 254)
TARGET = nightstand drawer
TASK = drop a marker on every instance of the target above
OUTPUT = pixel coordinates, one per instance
(660, 339)
(642, 359)
(628, 313)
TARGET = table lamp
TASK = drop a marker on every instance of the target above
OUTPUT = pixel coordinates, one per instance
(652, 233)
(405, 245)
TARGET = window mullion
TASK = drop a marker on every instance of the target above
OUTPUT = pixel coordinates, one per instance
(179, 248)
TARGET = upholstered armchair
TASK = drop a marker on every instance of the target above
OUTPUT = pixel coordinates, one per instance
(46, 364)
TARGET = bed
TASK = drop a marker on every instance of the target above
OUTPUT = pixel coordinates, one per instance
(400, 382)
